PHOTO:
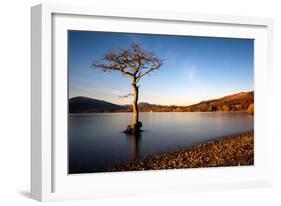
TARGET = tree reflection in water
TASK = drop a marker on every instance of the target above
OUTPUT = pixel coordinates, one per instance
(135, 142)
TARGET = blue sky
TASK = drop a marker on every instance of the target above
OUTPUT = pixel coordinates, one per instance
(194, 68)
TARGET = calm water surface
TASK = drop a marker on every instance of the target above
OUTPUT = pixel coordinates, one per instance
(96, 141)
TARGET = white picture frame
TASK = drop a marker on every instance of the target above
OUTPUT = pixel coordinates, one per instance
(49, 179)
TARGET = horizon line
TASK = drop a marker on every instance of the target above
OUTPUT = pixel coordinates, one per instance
(167, 105)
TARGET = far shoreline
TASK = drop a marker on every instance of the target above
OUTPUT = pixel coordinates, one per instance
(242, 111)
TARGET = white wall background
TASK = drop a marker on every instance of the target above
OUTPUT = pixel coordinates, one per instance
(15, 95)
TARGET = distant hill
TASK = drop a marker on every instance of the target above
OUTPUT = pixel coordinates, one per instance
(146, 104)
(235, 102)
(88, 105)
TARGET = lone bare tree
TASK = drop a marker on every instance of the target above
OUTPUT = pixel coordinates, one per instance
(134, 62)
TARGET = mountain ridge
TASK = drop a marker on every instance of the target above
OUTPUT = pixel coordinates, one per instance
(234, 102)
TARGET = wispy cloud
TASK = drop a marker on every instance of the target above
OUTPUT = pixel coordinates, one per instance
(189, 72)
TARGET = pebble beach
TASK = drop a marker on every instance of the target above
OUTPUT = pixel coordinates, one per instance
(234, 150)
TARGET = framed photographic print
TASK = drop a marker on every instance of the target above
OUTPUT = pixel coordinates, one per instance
(135, 102)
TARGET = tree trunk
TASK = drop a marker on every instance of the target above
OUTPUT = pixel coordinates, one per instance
(135, 103)
(134, 128)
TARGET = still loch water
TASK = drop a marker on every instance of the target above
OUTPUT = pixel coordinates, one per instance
(96, 141)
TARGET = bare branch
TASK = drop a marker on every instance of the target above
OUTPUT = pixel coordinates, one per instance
(111, 67)
(125, 96)
(134, 62)
(148, 71)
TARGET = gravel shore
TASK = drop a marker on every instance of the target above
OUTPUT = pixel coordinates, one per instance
(235, 150)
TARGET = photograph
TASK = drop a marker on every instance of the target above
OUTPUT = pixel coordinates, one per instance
(140, 101)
